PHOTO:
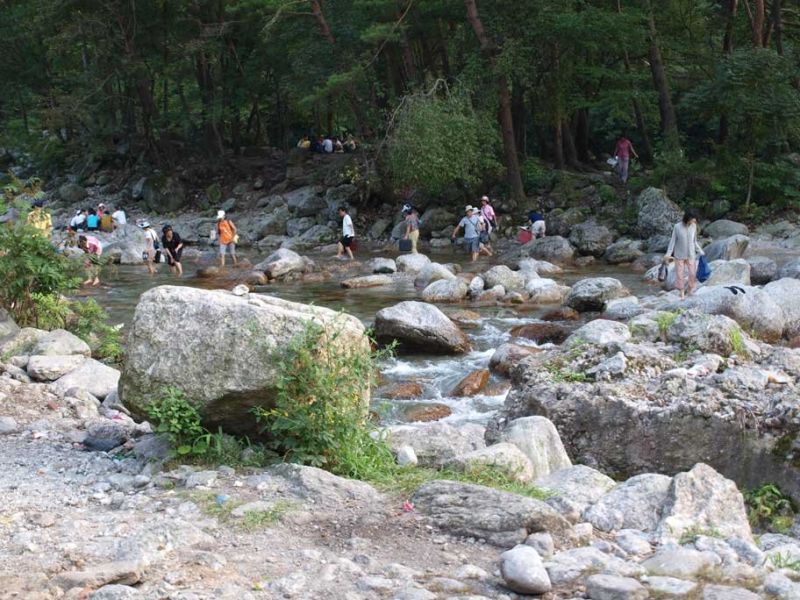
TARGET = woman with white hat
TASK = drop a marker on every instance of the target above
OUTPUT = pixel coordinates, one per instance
(226, 232)
(152, 254)
(473, 225)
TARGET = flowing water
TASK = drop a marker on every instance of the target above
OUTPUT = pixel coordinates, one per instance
(437, 375)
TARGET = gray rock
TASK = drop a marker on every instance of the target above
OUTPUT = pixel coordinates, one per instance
(762, 270)
(501, 518)
(116, 592)
(507, 356)
(512, 281)
(71, 193)
(378, 228)
(407, 456)
(570, 565)
(445, 290)
(435, 219)
(224, 386)
(723, 592)
(579, 485)
(634, 504)
(670, 587)
(201, 479)
(411, 263)
(161, 194)
(8, 425)
(436, 444)
(382, 265)
(704, 499)
(729, 248)
(781, 586)
(679, 562)
(538, 439)
(612, 587)
(592, 295)
(476, 286)
(633, 542)
(523, 571)
(590, 238)
(546, 291)
(95, 377)
(318, 234)
(299, 225)
(50, 368)
(623, 309)
(8, 328)
(106, 435)
(729, 272)
(281, 263)
(599, 332)
(505, 457)
(785, 293)
(420, 326)
(708, 333)
(623, 251)
(553, 249)
(60, 342)
(274, 223)
(367, 281)
(542, 542)
(724, 228)
(433, 272)
(316, 486)
(791, 269)
(305, 202)
(657, 214)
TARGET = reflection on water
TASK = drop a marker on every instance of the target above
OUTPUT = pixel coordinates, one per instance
(438, 375)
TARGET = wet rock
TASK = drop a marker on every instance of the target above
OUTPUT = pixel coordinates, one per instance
(523, 571)
(546, 291)
(512, 281)
(60, 342)
(704, 499)
(427, 413)
(729, 272)
(445, 290)
(411, 263)
(762, 270)
(95, 377)
(223, 390)
(504, 457)
(790, 269)
(539, 441)
(599, 332)
(634, 504)
(623, 251)
(590, 238)
(433, 272)
(657, 214)
(437, 443)
(281, 263)
(729, 248)
(382, 265)
(472, 384)
(611, 587)
(542, 333)
(562, 314)
(592, 295)
(507, 356)
(418, 326)
(367, 281)
(402, 391)
(553, 249)
(575, 488)
(50, 368)
(465, 318)
(680, 562)
(501, 518)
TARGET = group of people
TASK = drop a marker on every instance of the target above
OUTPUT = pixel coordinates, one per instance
(327, 144)
(103, 218)
(478, 225)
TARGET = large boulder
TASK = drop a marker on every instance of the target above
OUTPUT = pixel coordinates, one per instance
(599, 332)
(299, 225)
(762, 270)
(281, 263)
(436, 219)
(432, 272)
(98, 379)
(507, 458)
(538, 439)
(71, 193)
(274, 223)
(50, 368)
(445, 290)
(657, 213)
(411, 263)
(575, 488)
(727, 249)
(317, 235)
(418, 326)
(126, 244)
(724, 228)
(305, 202)
(437, 443)
(636, 504)
(512, 281)
(623, 251)
(705, 500)
(546, 291)
(707, 333)
(786, 294)
(553, 249)
(162, 194)
(729, 272)
(592, 295)
(501, 518)
(60, 342)
(382, 265)
(219, 349)
(590, 238)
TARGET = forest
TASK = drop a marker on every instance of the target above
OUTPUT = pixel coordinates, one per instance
(437, 91)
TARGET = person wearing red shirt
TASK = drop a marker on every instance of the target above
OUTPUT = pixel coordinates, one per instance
(623, 151)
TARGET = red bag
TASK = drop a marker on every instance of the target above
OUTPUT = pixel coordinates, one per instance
(354, 245)
(524, 236)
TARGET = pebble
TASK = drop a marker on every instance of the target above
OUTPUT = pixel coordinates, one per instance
(542, 542)
(201, 479)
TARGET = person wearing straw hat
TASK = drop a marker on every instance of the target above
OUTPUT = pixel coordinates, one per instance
(226, 232)
(472, 225)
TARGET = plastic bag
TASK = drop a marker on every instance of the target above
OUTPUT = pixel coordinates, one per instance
(703, 270)
(662, 272)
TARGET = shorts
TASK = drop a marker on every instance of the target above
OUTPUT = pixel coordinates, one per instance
(346, 241)
(472, 245)
(230, 248)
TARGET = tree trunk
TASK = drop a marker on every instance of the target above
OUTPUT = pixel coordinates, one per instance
(582, 135)
(506, 119)
(727, 48)
(559, 144)
(409, 66)
(777, 26)
(570, 154)
(669, 123)
(518, 115)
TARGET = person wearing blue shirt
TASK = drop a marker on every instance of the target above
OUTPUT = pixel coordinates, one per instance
(92, 221)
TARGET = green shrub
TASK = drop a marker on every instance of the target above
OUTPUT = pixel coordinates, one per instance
(89, 321)
(769, 508)
(536, 176)
(178, 418)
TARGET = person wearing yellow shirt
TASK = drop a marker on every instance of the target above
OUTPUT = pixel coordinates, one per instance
(40, 219)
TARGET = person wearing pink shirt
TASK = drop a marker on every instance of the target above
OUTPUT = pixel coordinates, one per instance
(623, 151)
(93, 249)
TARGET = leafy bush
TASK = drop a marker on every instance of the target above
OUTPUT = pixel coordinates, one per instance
(769, 508)
(89, 321)
(536, 176)
(176, 417)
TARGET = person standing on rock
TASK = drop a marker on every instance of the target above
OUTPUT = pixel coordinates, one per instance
(348, 234)
(412, 226)
(226, 232)
(173, 249)
(684, 248)
(93, 249)
(623, 151)
(472, 225)
(152, 253)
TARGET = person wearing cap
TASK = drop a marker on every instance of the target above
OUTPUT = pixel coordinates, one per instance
(152, 253)
(173, 249)
(101, 210)
(78, 222)
(226, 232)
(412, 226)
(472, 225)
(40, 219)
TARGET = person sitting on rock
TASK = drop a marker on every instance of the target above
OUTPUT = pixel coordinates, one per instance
(173, 249)
(93, 249)
(78, 222)
(327, 145)
(119, 217)
(350, 143)
(348, 234)
(106, 222)
(92, 220)
(304, 143)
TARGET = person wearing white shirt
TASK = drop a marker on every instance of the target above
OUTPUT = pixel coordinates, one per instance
(119, 217)
(348, 234)
(78, 221)
(327, 145)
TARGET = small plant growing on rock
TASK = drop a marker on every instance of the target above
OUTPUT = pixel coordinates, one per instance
(176, 417)
(785, 561)
(737, 342)
(769, 508)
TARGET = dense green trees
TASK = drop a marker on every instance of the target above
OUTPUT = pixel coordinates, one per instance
(708, 80)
